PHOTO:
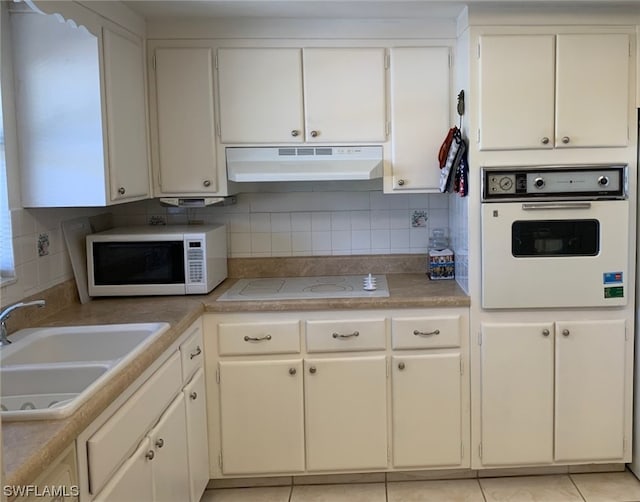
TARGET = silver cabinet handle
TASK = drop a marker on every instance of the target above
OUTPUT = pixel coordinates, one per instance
(193, 395)
(401, 182)
(426, 333)
(400, 366)
(150, 454)
(196, 352)
(566, 332)
(121, 190)
(312, 369)
(292, 371)
(295, 133)
(248, 338)
(315, 134)
(348, 335)
(159, 442)
(545, 332)
(566, 140)
(206, 183)
(545, 141)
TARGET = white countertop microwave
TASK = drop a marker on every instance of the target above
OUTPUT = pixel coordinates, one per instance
(156, 260)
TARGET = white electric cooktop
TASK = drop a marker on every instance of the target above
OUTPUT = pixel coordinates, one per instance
(302, 288)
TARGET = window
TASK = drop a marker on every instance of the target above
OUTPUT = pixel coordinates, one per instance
(7, 269)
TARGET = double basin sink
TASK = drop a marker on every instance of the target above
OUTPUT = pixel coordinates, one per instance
(47, 373)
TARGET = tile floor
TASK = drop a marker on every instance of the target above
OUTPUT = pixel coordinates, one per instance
(595, 487)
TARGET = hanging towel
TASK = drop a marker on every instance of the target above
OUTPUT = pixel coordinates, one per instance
(449, 169)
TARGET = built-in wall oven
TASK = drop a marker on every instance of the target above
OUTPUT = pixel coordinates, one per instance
(555, 236)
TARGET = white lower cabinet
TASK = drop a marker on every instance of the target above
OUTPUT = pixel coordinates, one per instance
(426, 395)
(346, 413)
(553, 392)
(261, 411)
(152, 446)
(330, 392)
(133, 482)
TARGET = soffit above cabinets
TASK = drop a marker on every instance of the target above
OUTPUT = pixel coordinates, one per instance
(341, 9)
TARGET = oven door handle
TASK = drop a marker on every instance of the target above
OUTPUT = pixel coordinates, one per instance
(535, 206)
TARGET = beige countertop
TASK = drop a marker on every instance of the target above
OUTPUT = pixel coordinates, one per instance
(30, 446)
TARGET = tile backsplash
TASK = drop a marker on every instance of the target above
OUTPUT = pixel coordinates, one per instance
(310, 223)
(258, 225)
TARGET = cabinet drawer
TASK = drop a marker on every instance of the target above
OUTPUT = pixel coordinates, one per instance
(191, 353)
(111, 443)
(338, 336)
(259, 338)
(425, 332)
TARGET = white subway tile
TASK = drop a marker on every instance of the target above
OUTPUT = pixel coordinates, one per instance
(377, 200)
(380, 219)
(281, 222)
(399, 218)
(380, 239)
(301, 242)
(301, 222)
(321, 241)
(340, 220)
(260, 242)
(360, 239)
(260, 222)
(419, 238)
(240, 244)
(320, 222)
(418, 200)
(399, 238)
(360, 220)
(239, 223)
(439, 200)
(398, 201)
(341, 240)
(281, 243)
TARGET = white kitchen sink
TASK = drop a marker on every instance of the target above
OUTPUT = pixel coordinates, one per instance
(48, 373)
(104, 342)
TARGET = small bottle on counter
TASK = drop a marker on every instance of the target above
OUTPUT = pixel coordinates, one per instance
(440, 264)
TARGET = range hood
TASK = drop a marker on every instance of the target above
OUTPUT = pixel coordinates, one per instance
(305, 163)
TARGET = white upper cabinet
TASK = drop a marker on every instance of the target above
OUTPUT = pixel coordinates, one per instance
(592, 90)
(292, 95)
(81, 112)
(344, 93)
(553, 91)
(186, 162)
(126, 115)
(260, 95)
(420, 116)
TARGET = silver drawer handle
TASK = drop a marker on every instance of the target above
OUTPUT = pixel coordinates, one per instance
(349, 335)
(248, 338)
(426, 333)
(196, 352)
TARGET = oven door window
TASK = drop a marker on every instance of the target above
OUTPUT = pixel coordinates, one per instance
(555, 238)
(157, 262)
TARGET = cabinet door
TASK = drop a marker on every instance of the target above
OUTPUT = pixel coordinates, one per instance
(197, 442)
(516, 92)
(126, 116)
(517, 393)
(133, 481)
(261, 413)
(260, 95)
(344, 94)
(420, 101)
(592, 90)
(590, 390)
(346, 413)
(186, 124)
(427, 410)
(170, 464)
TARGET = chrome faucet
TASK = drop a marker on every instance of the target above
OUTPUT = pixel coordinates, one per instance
(6, 313)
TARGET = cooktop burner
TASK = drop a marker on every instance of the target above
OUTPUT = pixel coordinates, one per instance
(300, 288)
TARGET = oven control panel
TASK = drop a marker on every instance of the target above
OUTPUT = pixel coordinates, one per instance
(554, 182)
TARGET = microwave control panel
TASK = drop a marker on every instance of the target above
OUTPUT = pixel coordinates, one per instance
(585, 182)
(194, 249)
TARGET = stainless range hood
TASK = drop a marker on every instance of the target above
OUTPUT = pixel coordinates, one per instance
(305, 163)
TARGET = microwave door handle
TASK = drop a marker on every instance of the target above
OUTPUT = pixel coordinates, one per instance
(534, 206)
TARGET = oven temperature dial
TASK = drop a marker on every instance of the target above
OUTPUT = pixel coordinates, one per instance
(538, 182)
(603, 181)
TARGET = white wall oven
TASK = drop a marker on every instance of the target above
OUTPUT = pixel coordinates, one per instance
(555, 236)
